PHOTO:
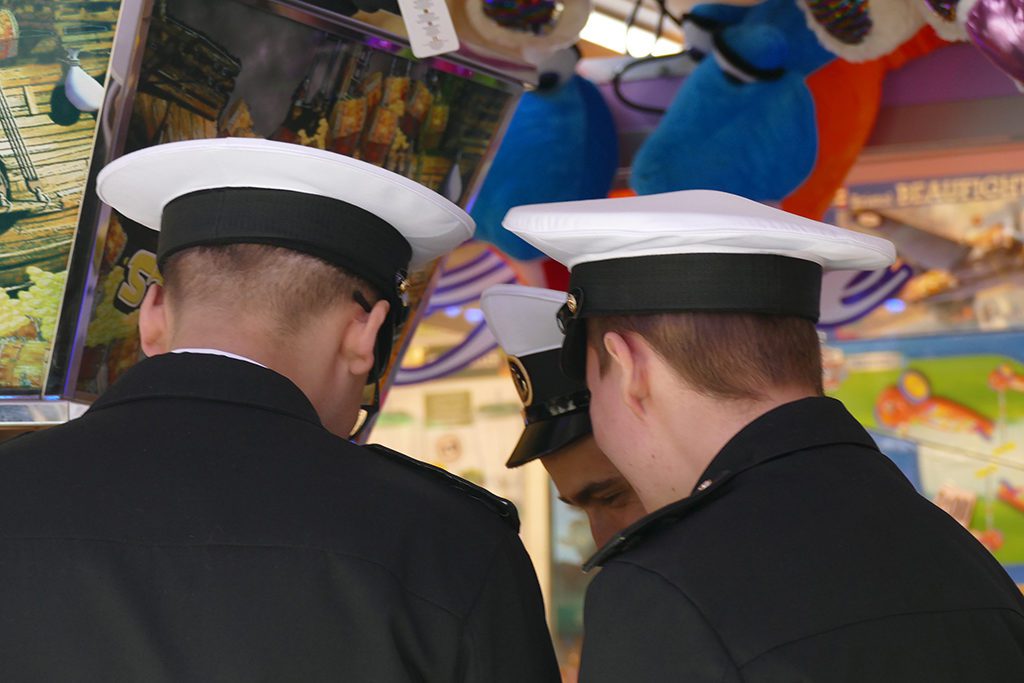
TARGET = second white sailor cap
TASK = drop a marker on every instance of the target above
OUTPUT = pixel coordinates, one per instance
(694, 250)
(523, 320)
(347, 211)
(371, 222)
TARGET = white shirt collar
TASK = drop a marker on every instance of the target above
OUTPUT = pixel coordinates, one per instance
(218, 352)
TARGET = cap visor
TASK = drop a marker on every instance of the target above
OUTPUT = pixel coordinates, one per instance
(547, 436)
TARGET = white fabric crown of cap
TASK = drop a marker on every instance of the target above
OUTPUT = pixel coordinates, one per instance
(689, 221)
(523, 319)
(139, 185)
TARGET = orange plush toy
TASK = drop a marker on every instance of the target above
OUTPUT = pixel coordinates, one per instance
(847, 97)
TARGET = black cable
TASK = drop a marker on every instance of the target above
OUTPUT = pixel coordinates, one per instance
(631, 19)
(663, 13)
(617, 82)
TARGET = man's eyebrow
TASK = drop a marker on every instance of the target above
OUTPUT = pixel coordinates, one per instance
(588, 492)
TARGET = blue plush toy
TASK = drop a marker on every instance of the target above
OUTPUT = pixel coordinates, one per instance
(743, 121)
(561, 145)
(768, 113)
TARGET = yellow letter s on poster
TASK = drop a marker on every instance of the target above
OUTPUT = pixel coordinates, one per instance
(141, 271)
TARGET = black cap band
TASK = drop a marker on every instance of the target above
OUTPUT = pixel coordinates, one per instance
(340, 233)
(557, 406)
(544, 389)
(554, 406)
(673, 283)
(743, 283)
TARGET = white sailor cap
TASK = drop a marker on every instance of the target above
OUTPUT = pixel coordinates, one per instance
(366, 220)
(694, 250)
(247, 189)
(523, 320)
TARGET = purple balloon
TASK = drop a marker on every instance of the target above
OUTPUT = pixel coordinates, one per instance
(997, 28)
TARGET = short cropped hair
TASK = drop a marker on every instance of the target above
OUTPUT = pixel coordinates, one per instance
(281, 286)
(724, 355)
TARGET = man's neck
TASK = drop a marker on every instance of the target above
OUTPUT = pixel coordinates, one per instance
(251, 343)
(290, 358)
(688, 439)
(307, 359)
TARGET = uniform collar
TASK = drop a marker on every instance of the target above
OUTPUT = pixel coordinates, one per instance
(790, 428)
(207, 377)
(218, 352)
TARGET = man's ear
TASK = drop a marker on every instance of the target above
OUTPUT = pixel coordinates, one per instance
(360, 339)
(154, 325)
(629, 356)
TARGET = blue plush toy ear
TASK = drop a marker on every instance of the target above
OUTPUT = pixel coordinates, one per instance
(751, 53)
(561, 145)
(702, 22)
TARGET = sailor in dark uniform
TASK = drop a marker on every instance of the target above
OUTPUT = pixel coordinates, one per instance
(557, 430)
(782, 545)
(201, 522)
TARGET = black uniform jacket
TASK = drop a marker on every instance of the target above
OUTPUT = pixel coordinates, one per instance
(199, 524)
(809, 557)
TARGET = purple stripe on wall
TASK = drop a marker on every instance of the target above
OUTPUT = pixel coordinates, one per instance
(956, 73)
(951, 74)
